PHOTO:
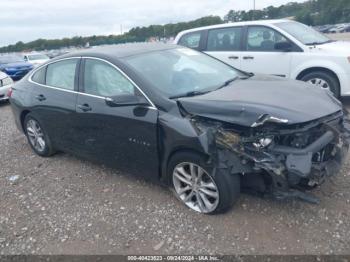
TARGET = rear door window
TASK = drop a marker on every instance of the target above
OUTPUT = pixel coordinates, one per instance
(62, 74)
(224, 39)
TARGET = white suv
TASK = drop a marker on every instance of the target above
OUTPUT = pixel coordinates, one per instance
(277, 47)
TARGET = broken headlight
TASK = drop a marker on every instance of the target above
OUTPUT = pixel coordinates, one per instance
(263, 142)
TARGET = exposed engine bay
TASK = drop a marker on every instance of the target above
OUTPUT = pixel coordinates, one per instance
(276, 158)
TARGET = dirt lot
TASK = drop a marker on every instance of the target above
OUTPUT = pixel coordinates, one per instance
(62, 205)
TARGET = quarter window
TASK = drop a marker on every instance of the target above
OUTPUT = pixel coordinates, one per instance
(263, 39)
(39, 76)
(191, 40)
(224, 39)
(102, 79)
(62, 74)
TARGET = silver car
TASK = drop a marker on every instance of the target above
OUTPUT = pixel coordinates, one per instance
(5, 84)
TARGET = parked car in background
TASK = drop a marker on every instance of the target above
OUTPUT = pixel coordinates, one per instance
(54, 53)
(6, 83)
(337, 29)
(276, 47)
(36, 59)
(198, 125)
(14, 66)
(346, 29)
(324, 28)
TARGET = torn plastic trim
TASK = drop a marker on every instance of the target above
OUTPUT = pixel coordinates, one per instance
(268, 118)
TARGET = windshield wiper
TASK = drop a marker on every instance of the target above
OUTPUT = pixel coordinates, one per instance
(191, 93)
(226, 83)
(197, 93)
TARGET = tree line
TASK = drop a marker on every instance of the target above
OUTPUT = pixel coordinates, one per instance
(137, 34)
(312, 12)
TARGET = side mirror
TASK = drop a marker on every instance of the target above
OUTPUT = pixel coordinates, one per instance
(126, 100)
(284, 46)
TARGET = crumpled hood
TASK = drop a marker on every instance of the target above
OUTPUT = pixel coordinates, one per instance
(244, 101)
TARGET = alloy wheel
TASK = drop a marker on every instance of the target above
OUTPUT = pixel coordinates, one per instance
(36, 135)
(319, 82)
(195, 187)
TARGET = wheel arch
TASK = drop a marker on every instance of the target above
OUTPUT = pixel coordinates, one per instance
(315, 69)
(301, 73)
(175, 151)
(23, 115)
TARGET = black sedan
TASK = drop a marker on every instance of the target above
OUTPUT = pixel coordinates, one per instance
(181, 117)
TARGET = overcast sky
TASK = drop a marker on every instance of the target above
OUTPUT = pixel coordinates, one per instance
(23, 20)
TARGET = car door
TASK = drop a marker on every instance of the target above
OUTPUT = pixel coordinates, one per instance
(225, 44)
(261, 55)
(123, 136)
(54, 97)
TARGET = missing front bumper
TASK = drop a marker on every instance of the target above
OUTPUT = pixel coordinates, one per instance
(305, 168)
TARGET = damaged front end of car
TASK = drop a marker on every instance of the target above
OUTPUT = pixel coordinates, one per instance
(275, 157)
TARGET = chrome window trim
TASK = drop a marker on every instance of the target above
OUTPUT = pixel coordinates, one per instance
(124, 74)
(81, 93)
(49, 63)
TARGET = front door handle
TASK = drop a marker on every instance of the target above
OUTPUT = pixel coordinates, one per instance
(248, 57)
(233, 57)
(84, 107)
(40, 97)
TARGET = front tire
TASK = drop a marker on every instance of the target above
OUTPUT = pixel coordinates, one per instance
(323, 80)
(38, 139)
(201, 187)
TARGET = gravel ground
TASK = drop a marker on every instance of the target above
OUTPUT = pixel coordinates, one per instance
(63, 205)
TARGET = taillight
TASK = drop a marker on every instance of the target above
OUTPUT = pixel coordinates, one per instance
(9, 93)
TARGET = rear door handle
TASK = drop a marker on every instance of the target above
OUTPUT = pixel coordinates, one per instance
(248, 57)
(233, 57)
(84, 107)
(40, 97)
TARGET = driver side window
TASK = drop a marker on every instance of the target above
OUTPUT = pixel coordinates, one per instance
(263, 39)
(102, 79)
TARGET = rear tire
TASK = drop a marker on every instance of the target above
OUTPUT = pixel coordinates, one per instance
(324, 80)
(211, 184)
(38, 138)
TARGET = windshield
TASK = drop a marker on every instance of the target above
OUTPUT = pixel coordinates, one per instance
(305, 34)
(37, 57)
(10, 59)
(182, 71)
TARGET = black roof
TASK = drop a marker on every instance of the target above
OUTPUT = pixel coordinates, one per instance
(122, 50)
